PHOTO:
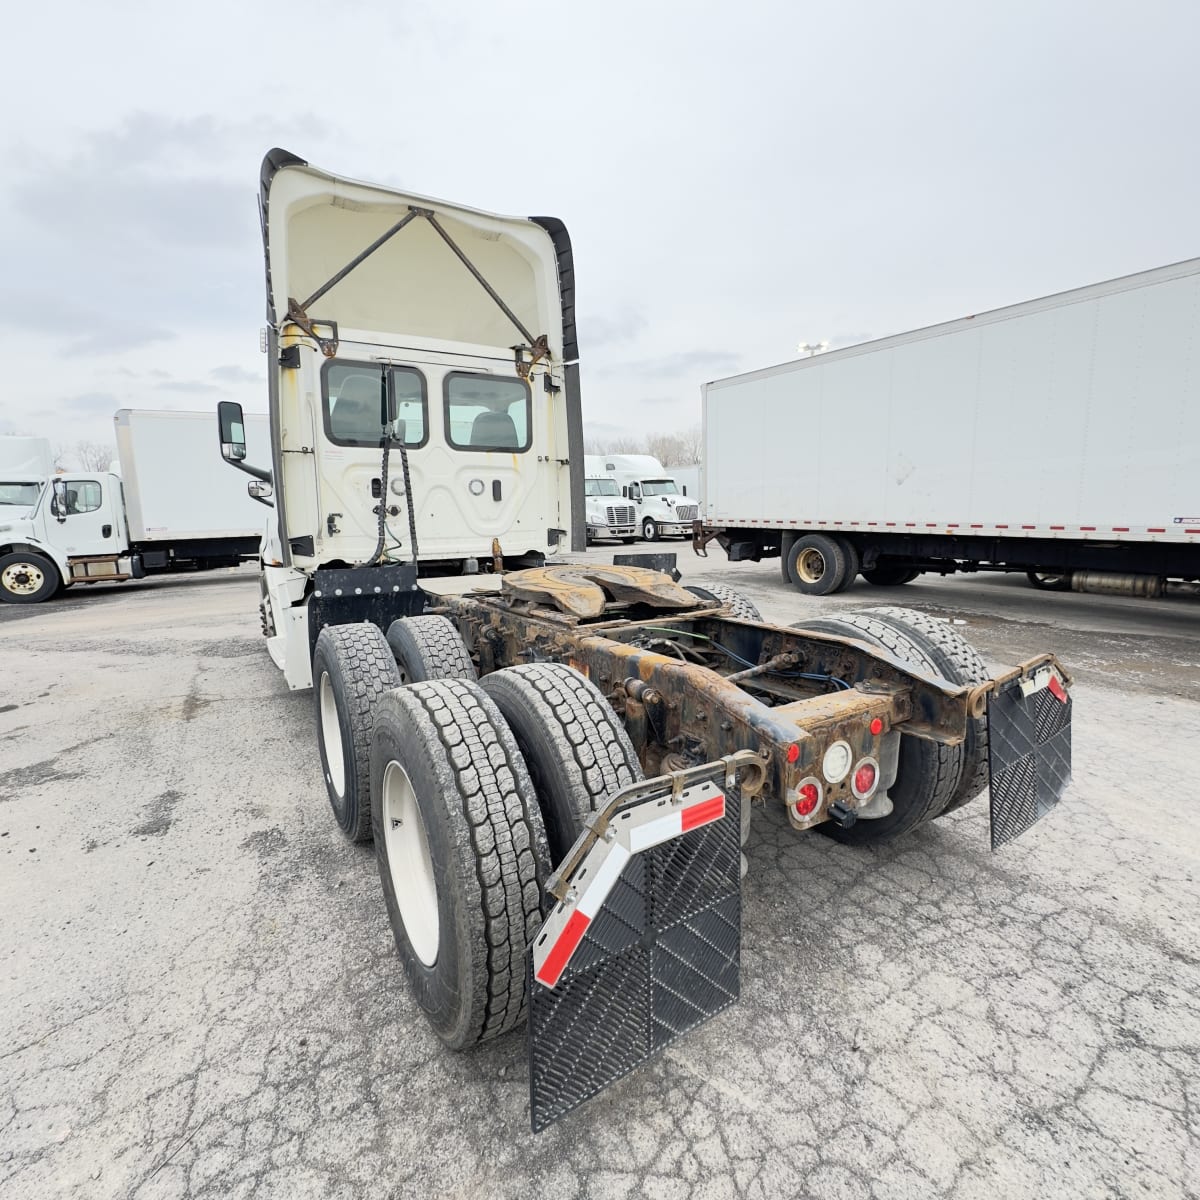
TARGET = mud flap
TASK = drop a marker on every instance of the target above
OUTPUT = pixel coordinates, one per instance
(1029, 751)
(646, 946)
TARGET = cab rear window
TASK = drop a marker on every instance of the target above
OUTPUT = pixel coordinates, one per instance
(487, 412)
(352, 404)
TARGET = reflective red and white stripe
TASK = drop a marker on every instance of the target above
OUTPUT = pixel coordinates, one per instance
(634, 829)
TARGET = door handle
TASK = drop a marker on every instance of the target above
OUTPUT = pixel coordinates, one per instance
(106, 531)
(496, 490)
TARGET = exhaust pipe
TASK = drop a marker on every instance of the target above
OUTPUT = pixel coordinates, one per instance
(1116, 583)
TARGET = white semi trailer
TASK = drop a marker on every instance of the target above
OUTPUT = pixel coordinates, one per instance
(1060, 438)
(170, 508)
(556, 763)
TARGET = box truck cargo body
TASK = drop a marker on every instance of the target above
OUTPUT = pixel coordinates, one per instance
(1058, 437)
(172, 508)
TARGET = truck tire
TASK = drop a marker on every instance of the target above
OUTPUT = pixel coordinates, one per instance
(573, 743)
(462, 854)
(853, 564)
(928, 773)
(1050, 581)
(959, 662)
(27, 578)
(890, 576)
(429, 648)
(352, 668)
(650, 530)
(817, 565)
(732, 599)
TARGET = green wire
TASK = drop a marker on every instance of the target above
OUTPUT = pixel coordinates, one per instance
(676, 632)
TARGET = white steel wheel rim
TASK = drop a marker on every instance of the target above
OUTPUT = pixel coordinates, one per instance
(331, 737)
(14, 583)
(410, 864)
(810, 565)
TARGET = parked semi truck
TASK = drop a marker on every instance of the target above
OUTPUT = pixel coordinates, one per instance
(170, 508)
(660, 507)
(608, 514)
(1060, 438)
(556, 763)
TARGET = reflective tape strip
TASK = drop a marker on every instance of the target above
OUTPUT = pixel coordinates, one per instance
(634, 829)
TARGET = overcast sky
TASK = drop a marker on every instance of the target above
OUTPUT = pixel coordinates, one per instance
(736, 178)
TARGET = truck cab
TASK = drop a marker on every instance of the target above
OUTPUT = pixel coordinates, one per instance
(56, 528)
(423, 393)
(609, 513)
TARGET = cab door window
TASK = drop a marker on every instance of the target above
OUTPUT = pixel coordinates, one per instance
(82, 496)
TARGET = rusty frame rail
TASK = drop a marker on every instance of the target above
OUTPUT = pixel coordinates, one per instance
(681, 712)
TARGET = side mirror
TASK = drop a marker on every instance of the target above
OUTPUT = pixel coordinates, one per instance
(232, 431)
(58, 502)
(258, 489)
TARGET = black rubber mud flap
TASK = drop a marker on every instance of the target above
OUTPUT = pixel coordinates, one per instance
(1029, 752)
(646, 947)
(665, 562)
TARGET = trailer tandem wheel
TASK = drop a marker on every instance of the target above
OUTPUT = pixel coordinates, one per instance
(928, 773)
(429, 648)
(462, 854)
(890, 576)
(573, 743)
(352, 668)
(818, 565)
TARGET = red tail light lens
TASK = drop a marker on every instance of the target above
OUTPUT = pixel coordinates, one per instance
(808, 796)
(864, 779)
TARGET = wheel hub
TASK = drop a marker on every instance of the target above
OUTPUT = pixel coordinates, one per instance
(22, 579)
(810, 565)
(410, 864)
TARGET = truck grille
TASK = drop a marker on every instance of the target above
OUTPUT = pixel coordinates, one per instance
(686, 512)
(620, 515)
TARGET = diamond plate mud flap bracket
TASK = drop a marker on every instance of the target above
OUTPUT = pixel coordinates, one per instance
(645, 946)
(1029, 750)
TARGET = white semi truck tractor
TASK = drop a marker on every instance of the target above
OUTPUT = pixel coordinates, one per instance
(556, 762)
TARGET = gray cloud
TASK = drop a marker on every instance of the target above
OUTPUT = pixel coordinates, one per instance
(692, 365)
(189, 386)
(92, 402)
(236, 374)
(596, 332)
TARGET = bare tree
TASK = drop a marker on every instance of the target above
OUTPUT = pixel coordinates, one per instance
(94, 456)
(692, 444)
(61, 454)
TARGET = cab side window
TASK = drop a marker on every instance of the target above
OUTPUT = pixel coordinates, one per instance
(83, 496)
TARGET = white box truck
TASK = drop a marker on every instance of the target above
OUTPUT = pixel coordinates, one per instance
(660, 507)
(1059, 437)
(172, 508)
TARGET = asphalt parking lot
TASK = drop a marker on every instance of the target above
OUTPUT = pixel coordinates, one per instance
(199, 995)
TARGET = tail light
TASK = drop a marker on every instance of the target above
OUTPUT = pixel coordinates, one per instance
(866, 777)
(808, 797)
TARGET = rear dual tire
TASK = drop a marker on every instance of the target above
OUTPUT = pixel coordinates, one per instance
(820, 565)
(932, 778)
(462, 854)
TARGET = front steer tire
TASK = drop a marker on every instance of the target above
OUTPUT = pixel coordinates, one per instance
(462, 854)
(929, 772)
(573, 743)
(429, 648)
(28, 578)
(352, 668)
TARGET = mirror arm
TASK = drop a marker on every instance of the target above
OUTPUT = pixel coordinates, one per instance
(258, 472)
(268, 503)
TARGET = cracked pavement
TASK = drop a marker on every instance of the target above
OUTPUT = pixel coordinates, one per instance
(199, 995)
